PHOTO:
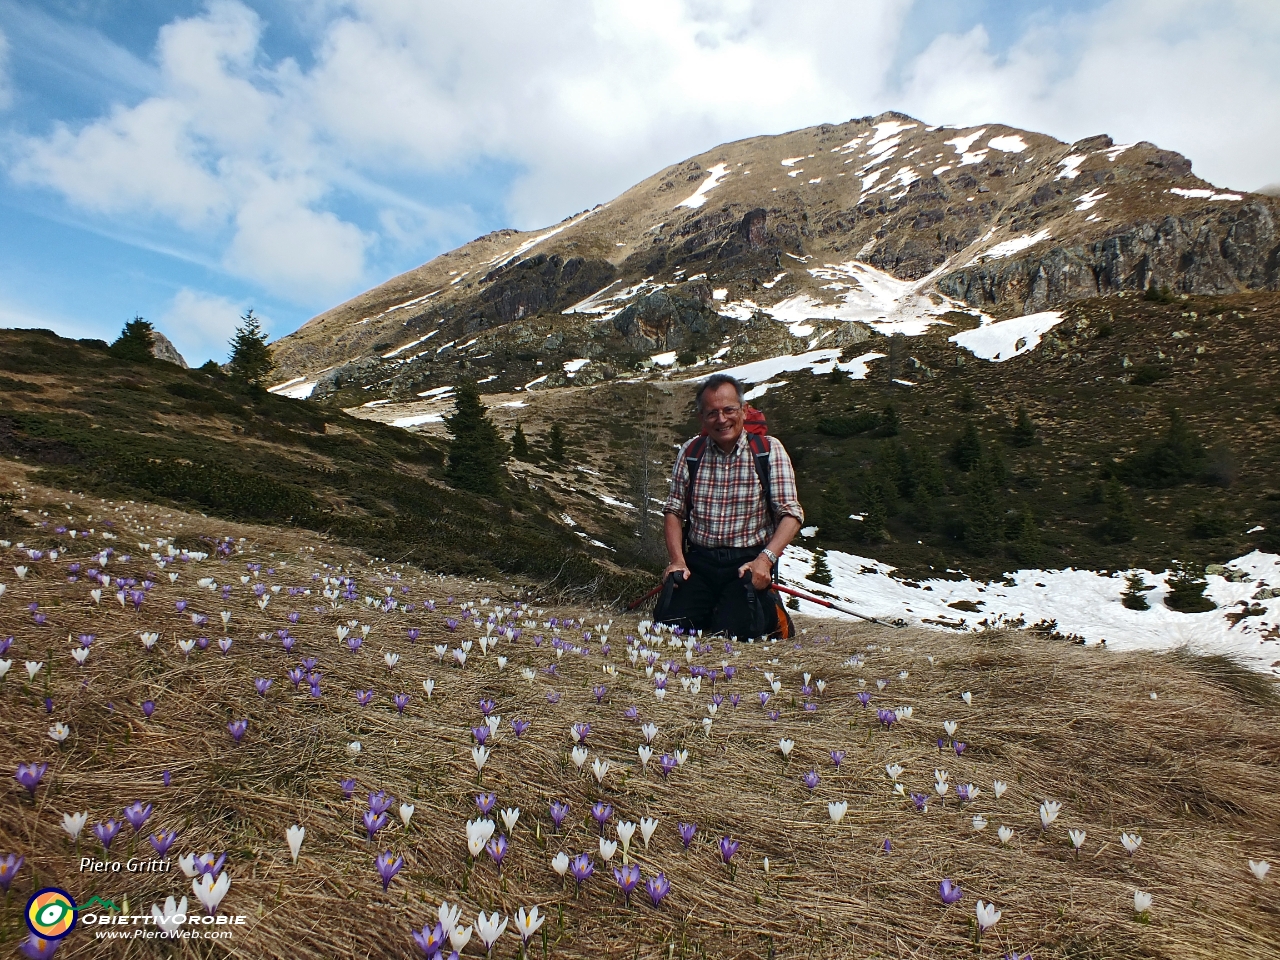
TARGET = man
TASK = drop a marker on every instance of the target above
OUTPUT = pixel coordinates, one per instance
(726, 534)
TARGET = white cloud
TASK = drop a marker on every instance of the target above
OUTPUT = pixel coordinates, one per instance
(201, 325)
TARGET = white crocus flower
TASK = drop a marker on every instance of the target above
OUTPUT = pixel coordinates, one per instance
(626, 830)
(294, 836)
(391, 659)
(1131, 842)
(510, 816)
(73, 823)
(490, 929)
(502, 665)
(1077, 839)
(149, 639)
(1259, 868)
(1141, 901)
(646, 754)
(951, 727)
(171, 916)
(81, 654)
(209, 891)
(560, 863)
(353, 747)
(599, 768)
(34, 667)
(979, 822)
(459, 937)
(682, 757)
(1049, 813)
(429, 687)
(608, 848)
(448, 916)
(406, 813)
(479, 832)
(579, 756)
(527, 924)
(527, 673)
(479, 756)
(650, 731)
(837, 809)
(21, 572)
(1005, 833)
(441, 649)
(59, 732)
(186, 646)
(4, 667)
(187, 863)
(967, 697)
(649, 824)
(96, 594)
(987, 916)
(998, 787)
(894, 770)
(785, 746)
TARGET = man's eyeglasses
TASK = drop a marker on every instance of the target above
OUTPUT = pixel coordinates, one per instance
(727, 412)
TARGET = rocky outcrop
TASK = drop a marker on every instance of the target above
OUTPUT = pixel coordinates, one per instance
(162, 348)
(663, 321)
(1222, 251)
(536, 284)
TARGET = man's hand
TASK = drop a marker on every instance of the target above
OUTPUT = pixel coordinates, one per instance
(761, 571)
(681, 569)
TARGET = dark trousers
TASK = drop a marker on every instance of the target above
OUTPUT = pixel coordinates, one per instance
(714, 599)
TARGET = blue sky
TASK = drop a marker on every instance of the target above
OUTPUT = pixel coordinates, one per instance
(186, 160)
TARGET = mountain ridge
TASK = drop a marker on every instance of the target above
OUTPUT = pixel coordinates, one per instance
(988, 218)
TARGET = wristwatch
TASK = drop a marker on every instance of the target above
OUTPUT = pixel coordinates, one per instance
(773, 557)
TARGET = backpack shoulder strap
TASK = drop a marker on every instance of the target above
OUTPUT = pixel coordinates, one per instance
(760, 450)
(692, 459)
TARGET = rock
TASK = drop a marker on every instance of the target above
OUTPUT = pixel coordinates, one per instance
(162, 348)
(663, 321)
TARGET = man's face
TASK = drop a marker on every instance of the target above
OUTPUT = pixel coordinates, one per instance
(722, 415)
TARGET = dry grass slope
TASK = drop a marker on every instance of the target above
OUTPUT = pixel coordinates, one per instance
(1188, 769)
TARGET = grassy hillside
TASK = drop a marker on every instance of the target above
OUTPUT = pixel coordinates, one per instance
(195, 438)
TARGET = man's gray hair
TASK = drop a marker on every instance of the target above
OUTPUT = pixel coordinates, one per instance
(715, 382)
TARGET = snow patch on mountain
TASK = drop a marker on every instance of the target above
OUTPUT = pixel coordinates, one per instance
(699, 196)
(1006, 339)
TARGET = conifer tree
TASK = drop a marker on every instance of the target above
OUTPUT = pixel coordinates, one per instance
(1120, 523)
(821, 572)
(476, 451)
(555, 443)
(519, 443)
(967, 450)
(833, 512)
(135, 342)
(1134, 596)
(889, 422)
(874, 512)
(1186, 590)
(1026, 538)
(250, 356)
(1024, 430)
(982, 510)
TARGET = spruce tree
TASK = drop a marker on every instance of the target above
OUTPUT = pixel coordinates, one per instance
(1026, 538)
(1024, 431)
(821, 573)
(135, 342)
(1186, 590)
(1176, 458)
(519, 443)
(833, 512)
(874, 512)
(250, 356)
(982, 510)
(1134, 592)
(555, 443)
(476, 451)
(1120, 523)
(889, 422)
(967, 450)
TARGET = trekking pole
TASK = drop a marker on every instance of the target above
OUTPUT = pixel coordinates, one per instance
(835, 606)
(652, 593)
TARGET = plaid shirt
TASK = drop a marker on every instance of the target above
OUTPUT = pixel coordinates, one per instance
(728, 506)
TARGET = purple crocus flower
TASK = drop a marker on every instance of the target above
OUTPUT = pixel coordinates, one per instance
(237, 729)
(162, 841)
(558, 812)
(887, 847)
(764, 697)
(962, 792)
(485, 801)
(553, 697)
(166, 777)
(735, 699)
(180, 605)
(599, 691)
(202, 643)
(381, 801)
(920, 800)
(864, 698)
(413, 634)
(373, 822)
(481, 733)
(959, 746)
(106, 832)
(287, 642)
(657, 887)
(667, 763)
(431, 941)
(811, 779)
(38, 948)
(30, 774)
(9, 867)
(497, 848)
(728, 847)
(388, 868)
(85, 640)
(632, 713)
(348, 787)
(364, 697)
(137, 813)
(949, 892)
(887, 718)
(687, 832)
(811, 706)
(581, 867)
(628, 877)
(837, 758)
(451, 624)
(262, 685)
(315, 686)
(519, 727)
(583, 730)
(354, 642)
(293, 616)
(602, 812)
(773, 714)
(401, 701)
